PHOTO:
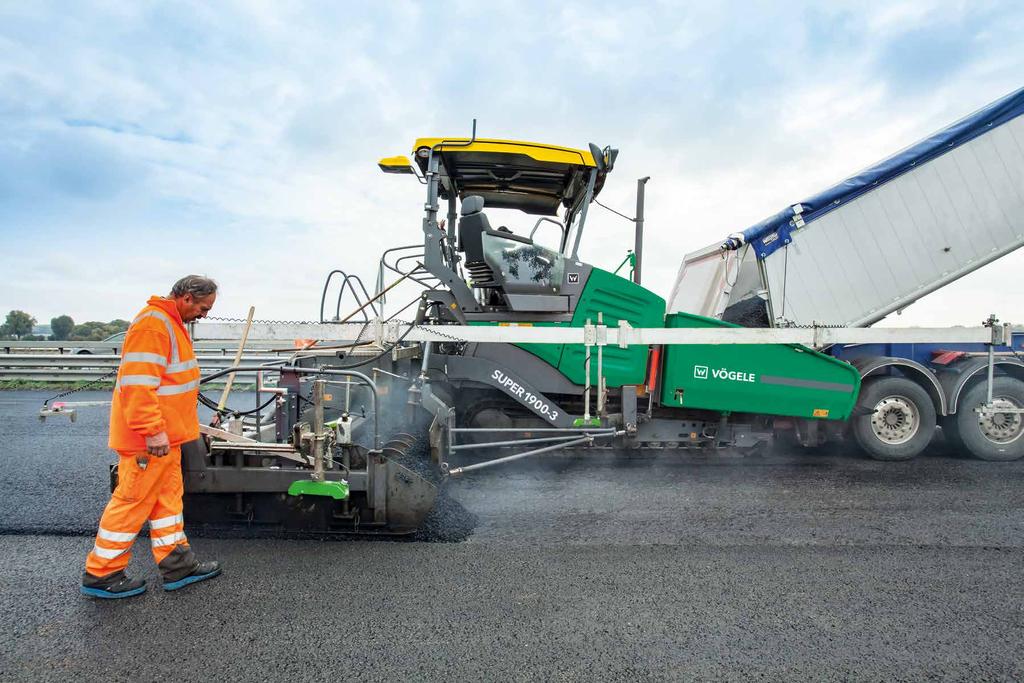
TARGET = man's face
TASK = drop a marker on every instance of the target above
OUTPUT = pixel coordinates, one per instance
(192, 308)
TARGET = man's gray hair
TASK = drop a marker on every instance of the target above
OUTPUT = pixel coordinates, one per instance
(196, 285)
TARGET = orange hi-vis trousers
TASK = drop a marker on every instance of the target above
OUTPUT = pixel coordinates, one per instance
(151, 494)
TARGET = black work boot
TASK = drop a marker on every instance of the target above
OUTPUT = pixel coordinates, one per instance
(181, 568)
(112, 586)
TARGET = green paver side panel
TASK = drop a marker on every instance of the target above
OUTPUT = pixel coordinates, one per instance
(549, 353)
(618, 299)
(773, 379)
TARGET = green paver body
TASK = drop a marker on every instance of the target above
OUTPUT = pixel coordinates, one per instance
(773, 379)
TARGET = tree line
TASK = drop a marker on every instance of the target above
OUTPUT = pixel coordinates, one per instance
(19, 325)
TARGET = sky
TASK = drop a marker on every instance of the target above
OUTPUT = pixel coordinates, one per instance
(142, 141)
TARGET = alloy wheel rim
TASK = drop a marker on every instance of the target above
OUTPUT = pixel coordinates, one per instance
(1001, 428)
(895, 420)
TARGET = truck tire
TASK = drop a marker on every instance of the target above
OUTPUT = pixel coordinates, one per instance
(900, 422)
(999, 436)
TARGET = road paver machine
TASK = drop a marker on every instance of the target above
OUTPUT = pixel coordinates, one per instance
(519, 347)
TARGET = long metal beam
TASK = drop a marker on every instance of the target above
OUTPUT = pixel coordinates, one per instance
(69, 347)
(390, 333)
(587, 439)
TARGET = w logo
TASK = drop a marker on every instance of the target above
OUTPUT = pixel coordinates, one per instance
(700, 372)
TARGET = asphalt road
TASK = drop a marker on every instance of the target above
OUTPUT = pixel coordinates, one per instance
(811, 567)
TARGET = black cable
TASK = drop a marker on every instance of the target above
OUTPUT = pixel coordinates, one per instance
(210, 404)
(85, 386)
(401, 310)
(226, 411)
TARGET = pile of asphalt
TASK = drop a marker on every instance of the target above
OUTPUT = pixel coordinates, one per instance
(449, 521)
(750, 312)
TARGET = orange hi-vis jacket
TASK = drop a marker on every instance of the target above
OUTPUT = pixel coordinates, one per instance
(158, 382)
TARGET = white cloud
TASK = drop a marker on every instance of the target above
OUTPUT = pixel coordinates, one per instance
(894, 17)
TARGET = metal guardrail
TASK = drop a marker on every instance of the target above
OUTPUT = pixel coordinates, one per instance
(209, 347)
(85, 367)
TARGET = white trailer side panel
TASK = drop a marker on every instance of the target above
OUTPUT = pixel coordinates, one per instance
(892, 245)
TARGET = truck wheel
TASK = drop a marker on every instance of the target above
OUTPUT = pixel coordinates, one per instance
(992, 436)
(901, 422)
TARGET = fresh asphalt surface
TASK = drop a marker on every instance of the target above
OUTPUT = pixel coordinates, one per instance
(809, 567)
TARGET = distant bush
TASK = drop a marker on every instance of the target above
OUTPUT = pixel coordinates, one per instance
(97, 331)
(18, 325)
(61, 326)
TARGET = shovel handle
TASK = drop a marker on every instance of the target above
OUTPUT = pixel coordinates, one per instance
(238, 359)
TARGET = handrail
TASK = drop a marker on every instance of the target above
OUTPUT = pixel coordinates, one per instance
(313, 371)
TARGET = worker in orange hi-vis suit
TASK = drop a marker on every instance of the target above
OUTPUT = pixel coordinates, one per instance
(153, 413)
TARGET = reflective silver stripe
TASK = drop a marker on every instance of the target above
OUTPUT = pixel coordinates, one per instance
(138, 380)
(172, 389)
(170, 331)
(108, 553)
(165, 522)
(116, 536)
(139, 357)
(169, 539)
(807, 383)
(182, 366)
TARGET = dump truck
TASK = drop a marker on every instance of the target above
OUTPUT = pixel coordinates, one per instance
(519, 347)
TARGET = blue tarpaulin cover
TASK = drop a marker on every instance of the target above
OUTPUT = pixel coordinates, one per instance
(774, 232)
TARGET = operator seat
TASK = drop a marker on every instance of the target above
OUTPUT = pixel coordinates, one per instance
(472, 226)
